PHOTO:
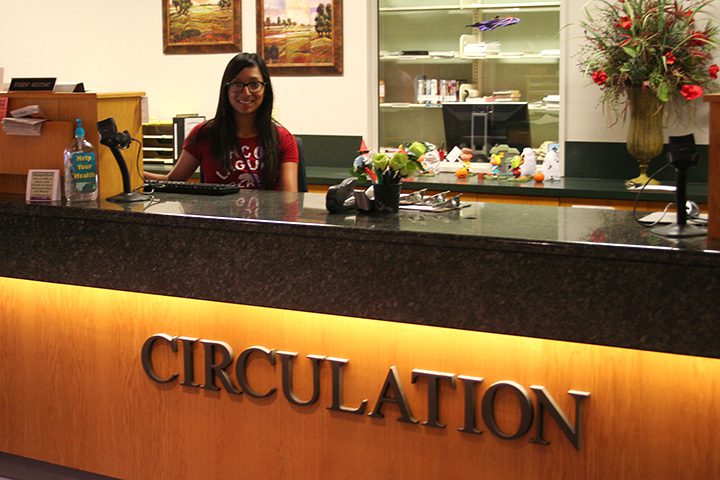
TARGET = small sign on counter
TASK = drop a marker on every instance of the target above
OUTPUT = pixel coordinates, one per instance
(34, 84)
(43, 186)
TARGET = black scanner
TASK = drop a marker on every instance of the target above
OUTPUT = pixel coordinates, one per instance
(340, 198)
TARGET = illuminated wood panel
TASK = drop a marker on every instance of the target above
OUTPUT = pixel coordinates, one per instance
(74, 392)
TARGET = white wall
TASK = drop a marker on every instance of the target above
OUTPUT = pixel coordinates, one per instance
(117, 46)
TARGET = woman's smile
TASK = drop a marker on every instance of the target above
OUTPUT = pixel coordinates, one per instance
(241, 98)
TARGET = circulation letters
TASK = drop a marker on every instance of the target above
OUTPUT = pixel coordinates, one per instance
(218, 359)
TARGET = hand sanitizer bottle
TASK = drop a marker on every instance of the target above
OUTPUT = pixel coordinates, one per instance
(81, 178)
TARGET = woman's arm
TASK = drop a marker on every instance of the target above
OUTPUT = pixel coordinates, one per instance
(288, 181)
(181, 171)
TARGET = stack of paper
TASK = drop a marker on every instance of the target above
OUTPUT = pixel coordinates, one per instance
(481, 49)
(27, 120)
(552, 102)
(506, 95)
(23, 126)
(30, 111)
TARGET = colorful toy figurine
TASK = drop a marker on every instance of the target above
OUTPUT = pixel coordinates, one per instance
(529, 162)
(551, 164)
(494, 23)
(496, 162)
(515, 164)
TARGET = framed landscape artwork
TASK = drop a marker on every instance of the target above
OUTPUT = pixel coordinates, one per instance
(301, 37)
(201, 26)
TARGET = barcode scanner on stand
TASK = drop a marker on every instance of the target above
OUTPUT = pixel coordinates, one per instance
(111, 138)
(682, 156)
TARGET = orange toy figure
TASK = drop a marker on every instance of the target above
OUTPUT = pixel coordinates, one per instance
(462, 172)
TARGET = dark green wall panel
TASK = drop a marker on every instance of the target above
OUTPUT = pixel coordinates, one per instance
(612, 160)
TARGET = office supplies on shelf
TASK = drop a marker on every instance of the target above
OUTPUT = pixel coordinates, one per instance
(168, 186)
(182, 125)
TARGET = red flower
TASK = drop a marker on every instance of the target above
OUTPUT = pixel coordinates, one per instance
(691, 92)
(698, 39)
(624, 22)
(713, 70)
(599, 77)
(669, 58)
(689, 15)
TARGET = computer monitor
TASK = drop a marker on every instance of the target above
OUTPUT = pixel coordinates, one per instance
(481, 126)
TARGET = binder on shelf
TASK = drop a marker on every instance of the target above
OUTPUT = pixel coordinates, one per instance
(182, 126)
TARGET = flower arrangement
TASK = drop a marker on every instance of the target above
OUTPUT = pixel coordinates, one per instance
(390, 168)
(651, 44)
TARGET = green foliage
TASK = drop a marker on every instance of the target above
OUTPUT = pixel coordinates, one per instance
(182, 7)
(662, 45)
(383, 167)
(323, 20)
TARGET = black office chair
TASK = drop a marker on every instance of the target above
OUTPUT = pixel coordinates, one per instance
(302, 178)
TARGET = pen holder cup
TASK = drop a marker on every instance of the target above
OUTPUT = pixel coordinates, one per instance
(387, 197)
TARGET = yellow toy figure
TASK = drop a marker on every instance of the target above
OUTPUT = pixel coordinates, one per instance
(496, 161)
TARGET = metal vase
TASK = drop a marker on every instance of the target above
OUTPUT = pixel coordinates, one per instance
(645, 135)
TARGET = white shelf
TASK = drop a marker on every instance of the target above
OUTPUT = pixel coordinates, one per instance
(434, 106)
(474, 6)
(407, 106)
(158, 149)
(425, 59)
(465, 58)
(161, 137)
(522, 56)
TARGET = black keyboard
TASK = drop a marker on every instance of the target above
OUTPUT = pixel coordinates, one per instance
(191, 188)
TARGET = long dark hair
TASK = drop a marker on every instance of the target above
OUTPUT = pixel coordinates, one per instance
(222, 127)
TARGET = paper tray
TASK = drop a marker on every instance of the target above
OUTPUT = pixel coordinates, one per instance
(429, 208)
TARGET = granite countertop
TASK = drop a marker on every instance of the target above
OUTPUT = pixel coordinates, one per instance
(575, 274)
(597, 188)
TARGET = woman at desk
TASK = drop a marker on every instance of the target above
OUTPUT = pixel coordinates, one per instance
(242, 144)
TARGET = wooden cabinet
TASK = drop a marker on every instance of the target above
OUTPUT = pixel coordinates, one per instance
(18, 154)
(714, 171)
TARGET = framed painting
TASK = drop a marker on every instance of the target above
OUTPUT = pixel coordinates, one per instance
(301, 37)
(201, 26)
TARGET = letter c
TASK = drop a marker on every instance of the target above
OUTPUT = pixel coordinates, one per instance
(241, 370)
(147, 356)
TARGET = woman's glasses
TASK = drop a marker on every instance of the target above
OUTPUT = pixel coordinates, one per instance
(253, 87)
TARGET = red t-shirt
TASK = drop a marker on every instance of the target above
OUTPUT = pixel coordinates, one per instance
(245, 159)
